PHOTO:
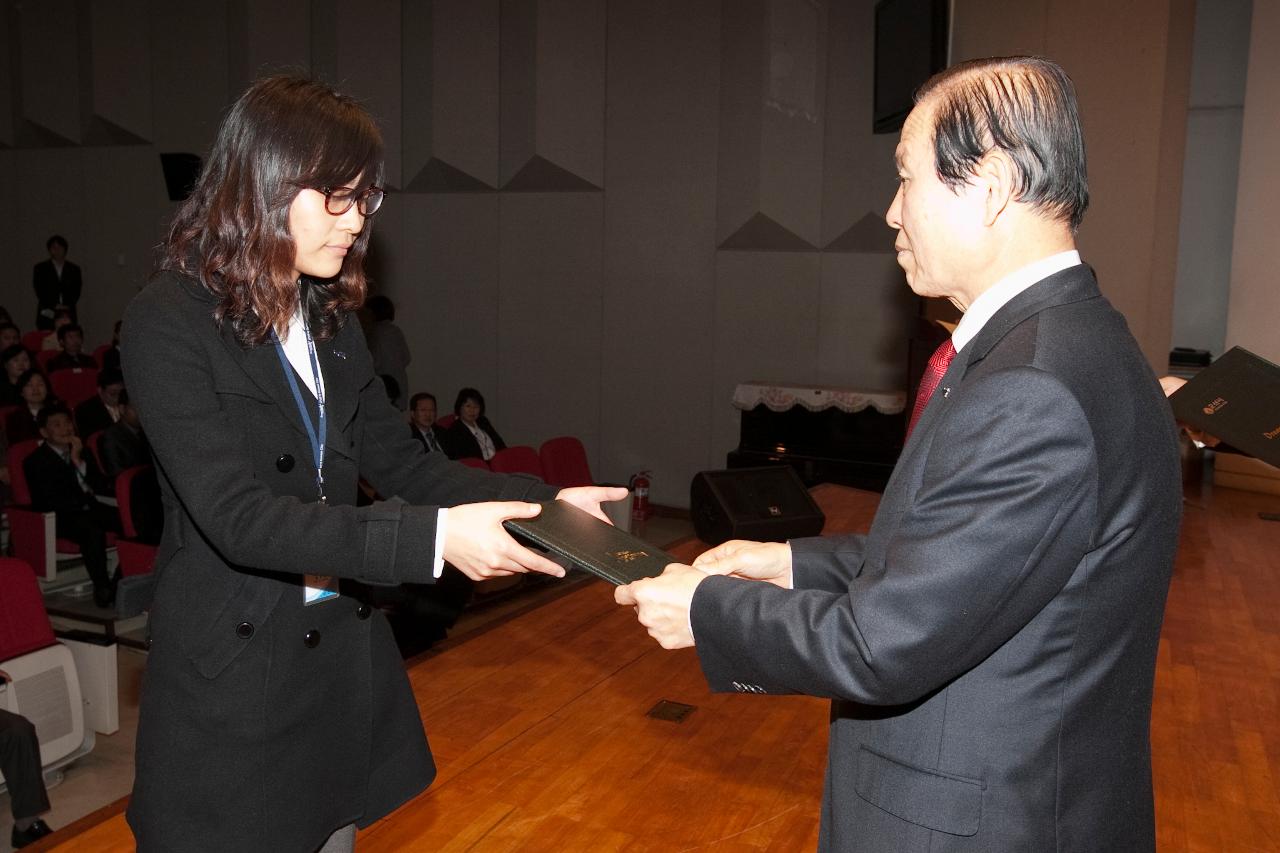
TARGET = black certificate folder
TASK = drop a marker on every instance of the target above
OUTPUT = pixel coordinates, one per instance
(590, 543)
(1236, 399)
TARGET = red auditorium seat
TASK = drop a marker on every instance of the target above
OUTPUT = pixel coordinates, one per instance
(520, 459)
(24, 625)
(564, 461)
(446, 421)
(33, 341)
(100, 352)
(74, 386)
(136, 558)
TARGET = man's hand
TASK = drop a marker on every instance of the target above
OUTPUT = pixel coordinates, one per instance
(477, 543)
(757, 561)
(589, 498)
(1170, 384)
(662, 604)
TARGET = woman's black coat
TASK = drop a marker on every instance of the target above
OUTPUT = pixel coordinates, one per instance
(266, 724)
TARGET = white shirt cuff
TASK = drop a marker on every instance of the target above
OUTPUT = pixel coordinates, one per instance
(437, 559)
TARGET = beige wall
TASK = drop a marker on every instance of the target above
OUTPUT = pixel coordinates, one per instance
(609, 213)
(1253, 318)
(1131, 63)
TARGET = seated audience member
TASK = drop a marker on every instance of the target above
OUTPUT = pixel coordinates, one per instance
(17, 361)
(71, 339)
(64, 479)
(33, 391)
(61, 317)
(471, 435)
(388, 346)
(9, 335)
(123, 444)
(99, 412)
(20, 766)
(111, 356)
(422, 419)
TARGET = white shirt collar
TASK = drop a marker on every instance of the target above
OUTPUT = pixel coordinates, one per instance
(999, 294)
(295, 349)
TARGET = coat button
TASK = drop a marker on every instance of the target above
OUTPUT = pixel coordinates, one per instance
(284, 464)
(244, 630)
(363, 611)
(312, 639)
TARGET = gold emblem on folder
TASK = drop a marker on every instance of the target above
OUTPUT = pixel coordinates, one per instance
(627, 556)
(1215, 405)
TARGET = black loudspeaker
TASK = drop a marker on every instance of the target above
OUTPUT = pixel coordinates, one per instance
(767, 504)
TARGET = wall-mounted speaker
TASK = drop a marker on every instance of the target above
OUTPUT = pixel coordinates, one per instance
(768, 504)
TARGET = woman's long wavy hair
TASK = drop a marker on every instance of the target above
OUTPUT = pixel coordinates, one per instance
(285, 134)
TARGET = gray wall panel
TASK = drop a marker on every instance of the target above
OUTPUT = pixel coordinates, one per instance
(548, 330)
(766, 328)
(659, 289)
(865, 318)
(447, 295)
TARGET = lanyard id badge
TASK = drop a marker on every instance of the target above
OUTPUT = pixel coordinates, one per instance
(318, 588)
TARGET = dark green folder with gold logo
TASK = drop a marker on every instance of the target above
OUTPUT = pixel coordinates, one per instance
(1236, 399)
(590, 543)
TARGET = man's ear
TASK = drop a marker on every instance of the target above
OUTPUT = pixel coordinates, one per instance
(997, 177)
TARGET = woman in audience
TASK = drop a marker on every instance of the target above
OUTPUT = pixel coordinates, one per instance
(471, 436)
(33, 390)
(16, 361)
(276, 714)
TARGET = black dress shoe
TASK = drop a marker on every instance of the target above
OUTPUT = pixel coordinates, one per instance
(30, 835)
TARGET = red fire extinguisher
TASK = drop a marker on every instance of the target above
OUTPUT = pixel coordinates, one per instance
(639, 485)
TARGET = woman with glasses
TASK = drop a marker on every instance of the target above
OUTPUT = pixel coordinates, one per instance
(275, 711)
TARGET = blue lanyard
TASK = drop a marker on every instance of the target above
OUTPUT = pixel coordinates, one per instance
(315, 435)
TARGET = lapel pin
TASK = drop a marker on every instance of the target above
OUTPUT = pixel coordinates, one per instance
(946, 392)
(339, 353)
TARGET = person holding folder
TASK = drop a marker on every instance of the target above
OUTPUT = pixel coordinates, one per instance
(275, 711)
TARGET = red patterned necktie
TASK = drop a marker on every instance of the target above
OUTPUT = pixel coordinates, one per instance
(933, 373)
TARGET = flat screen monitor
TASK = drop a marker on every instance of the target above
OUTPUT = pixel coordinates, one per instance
(911, 46)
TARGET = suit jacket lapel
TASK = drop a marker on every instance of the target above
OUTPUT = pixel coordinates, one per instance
(1073, 284)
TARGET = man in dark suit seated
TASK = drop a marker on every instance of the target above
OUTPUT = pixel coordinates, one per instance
(100, 412)
(422, 419)
(56, 282)
(20, 766)
(71, 339)
(124, 445)
(64, 479)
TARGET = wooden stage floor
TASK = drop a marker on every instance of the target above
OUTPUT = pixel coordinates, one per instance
(541, 731)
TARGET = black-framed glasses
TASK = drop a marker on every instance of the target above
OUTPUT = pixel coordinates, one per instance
(338, 200)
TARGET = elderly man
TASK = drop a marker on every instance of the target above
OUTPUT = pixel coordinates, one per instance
(990, 644)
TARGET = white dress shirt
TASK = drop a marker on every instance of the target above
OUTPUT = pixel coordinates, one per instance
(998, 295)
(295, 349)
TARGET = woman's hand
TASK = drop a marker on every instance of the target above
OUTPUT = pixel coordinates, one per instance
(757, 561)
(589, 498)
(480, 547)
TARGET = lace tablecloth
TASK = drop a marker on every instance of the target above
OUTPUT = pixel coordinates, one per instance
(816, 398)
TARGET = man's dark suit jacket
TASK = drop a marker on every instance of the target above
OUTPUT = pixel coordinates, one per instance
(122, 447)
(990, 644)
(422, 439)
(53, 482)
(92, 416)
(459, 443)
(266, 724)
(52, 291)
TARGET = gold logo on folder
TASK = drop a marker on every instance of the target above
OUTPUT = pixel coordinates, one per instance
(1215, 405)
(627, 556)
(1275, 432)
